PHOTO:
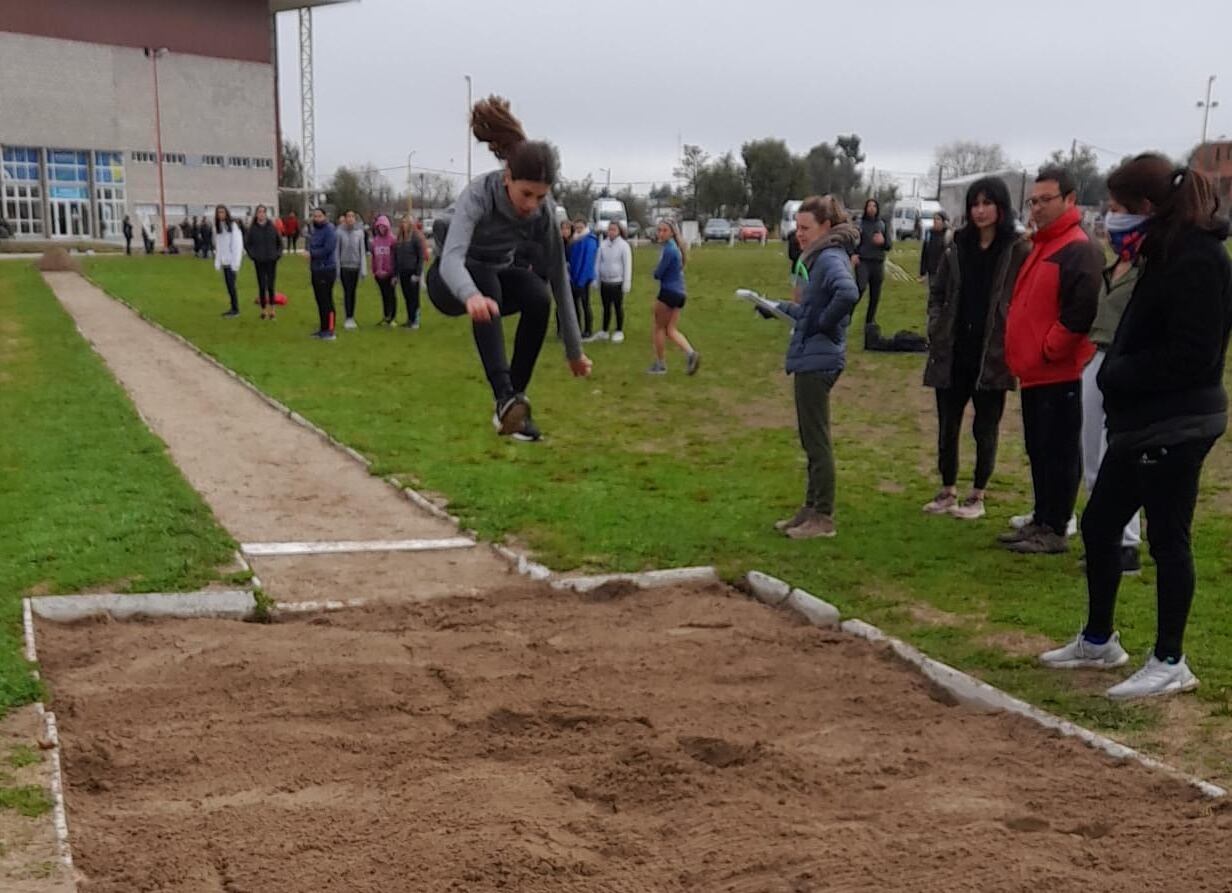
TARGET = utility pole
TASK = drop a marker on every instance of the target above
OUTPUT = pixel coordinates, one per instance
(153, 55)
(469, 141)
(1206, 107)
(607, 190)
(410, 202)
(423, 188)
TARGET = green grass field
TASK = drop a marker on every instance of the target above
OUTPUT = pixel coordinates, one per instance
(639, 472)
(89, 495)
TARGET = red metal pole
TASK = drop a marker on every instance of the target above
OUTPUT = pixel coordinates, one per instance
(158, 139)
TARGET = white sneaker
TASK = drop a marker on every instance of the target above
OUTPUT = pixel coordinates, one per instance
(970, 509)
(1018, 522)
(941, 504)
(1156, 678)
(350, 324)
(618, 337)
(601, 336)
(1081, 653)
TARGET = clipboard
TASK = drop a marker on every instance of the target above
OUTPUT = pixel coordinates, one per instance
(761, 302)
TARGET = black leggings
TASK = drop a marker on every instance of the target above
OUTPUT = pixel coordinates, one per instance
(613, 296)
(389, 298)
(267, 271)
(228, 276)
(516, 290)
(1052, 427)
(581, 304)
(323, 291)
(951, 405)
(1164, 482)
(350, 282)
(870, 274)
(410, 294)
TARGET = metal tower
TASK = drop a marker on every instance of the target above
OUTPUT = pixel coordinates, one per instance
(307, 107)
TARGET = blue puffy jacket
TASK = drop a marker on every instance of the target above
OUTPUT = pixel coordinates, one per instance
(819, 340)
(582, 255)
(323, 248)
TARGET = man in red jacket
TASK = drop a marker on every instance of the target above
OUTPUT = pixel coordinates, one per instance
(1046, 347)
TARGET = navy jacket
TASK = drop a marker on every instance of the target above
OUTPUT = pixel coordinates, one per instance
(323, 248)
(819, 340)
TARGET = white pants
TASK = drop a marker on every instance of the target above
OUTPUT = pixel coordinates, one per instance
(1095, 441)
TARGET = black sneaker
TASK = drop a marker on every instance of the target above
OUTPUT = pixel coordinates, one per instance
(231, 314)
(1131, 562)
(511, 413)
(530, 432)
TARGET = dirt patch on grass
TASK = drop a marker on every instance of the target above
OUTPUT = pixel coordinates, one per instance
(535, 740)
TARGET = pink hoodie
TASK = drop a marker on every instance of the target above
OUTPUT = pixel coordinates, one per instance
(382, 241)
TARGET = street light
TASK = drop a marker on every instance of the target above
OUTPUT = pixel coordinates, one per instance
(469, 141)
(154, 54)
(607, 190)
(410, 206)
(1207, 106)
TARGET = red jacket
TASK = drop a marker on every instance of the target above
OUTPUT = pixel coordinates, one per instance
(1054, 303)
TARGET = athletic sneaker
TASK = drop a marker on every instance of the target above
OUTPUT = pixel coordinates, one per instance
(1020, 521)
(1042, 541)
(657, 368)
(350, 324)
(410, 325)
(814, 526)
(601, 336)
(1157, 677)
(1017, 534)
(795, 520)
(511, 413)
(693, 364)
(1080, 654)
(530, 432)
(618, 337)
(231, 314)
(328, 336)
(942, 503)
(970, 509)
(386, 322)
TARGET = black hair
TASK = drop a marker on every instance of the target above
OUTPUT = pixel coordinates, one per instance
(493, 123)
(1059, 175)
(876, 204)
(995, 190)
(226, 220)
(1181, 199)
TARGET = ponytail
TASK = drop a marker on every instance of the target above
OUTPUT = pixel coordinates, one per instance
(1181, 198)
(678, 239)
(494, 124)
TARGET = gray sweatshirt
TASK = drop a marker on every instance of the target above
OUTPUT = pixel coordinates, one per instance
(351, 254)
(485, 229)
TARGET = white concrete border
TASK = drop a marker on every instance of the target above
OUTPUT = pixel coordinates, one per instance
(644, 580)
(237, 603)
(338, 547)
(316, 607)
(522, 564)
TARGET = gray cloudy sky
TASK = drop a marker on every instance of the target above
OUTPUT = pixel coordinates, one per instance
(616, 84)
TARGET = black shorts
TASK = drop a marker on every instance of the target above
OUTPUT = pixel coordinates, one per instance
(673, 299)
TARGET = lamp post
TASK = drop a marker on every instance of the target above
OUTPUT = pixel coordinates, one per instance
(469, 141)
(1206, 107)
(410, 202)
(153, 54)
(607, 190)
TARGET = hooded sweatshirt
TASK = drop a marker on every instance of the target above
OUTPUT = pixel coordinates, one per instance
(819, 340)
(383, 242)
(616, 263)
(351, 254)
(869, 227)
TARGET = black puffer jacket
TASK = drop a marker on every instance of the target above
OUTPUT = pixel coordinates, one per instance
(262, 242)
(944, 296)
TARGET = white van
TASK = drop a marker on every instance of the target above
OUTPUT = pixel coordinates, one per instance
(912, 216)
(787, 224)
(603, 211)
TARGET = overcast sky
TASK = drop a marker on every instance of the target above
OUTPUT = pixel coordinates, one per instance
(620, 84)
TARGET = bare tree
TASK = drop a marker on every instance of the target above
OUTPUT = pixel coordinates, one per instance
(963, 157)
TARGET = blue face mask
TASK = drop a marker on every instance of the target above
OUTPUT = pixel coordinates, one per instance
(1122, 223)
(1125, 233)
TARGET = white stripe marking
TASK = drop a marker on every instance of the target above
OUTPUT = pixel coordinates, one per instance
(342, 546)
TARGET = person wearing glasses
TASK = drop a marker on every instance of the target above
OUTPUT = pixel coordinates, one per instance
(1046, 347)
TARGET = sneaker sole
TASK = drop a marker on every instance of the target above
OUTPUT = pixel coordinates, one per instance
(1191, 685)
(928, 510)
(792, 535)
(1085, 664)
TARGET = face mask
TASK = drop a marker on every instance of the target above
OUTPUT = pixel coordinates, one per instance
(1123, 223)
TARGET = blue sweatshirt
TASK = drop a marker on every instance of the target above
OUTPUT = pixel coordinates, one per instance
(582, 255)
(323, 248)
(670, 271)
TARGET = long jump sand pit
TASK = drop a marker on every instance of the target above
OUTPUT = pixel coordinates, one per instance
(535, 740)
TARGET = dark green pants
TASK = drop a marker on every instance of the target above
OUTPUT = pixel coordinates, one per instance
(813, 417)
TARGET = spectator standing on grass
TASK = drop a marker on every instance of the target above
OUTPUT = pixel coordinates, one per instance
(615, 270)
(817, 352)
(384, 269)
(583, 251)
(290, 227)
(228, 254)
(322, 245)
(352, 262)
(474, 271)
(870, 258)
(968, 298)
(409, 255)
(194, 232)
(1047, 347)
(1162, 383)
(264, 247)
(146, 239)
(935, 241)
(671, 300)
(206, 234)
(128, 235)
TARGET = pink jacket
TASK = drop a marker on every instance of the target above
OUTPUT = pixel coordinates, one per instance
(382, 243)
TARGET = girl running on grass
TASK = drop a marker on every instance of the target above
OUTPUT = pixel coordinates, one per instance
(615, 271)
(474, 273)
(670, 273)
(228, 254)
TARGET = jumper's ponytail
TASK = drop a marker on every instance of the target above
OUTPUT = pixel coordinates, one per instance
(494, 124)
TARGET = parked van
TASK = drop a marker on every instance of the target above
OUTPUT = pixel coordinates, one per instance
(603, 211)
(912, 216)
(787, 224)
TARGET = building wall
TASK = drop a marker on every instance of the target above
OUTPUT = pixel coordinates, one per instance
(228, 29)
(73, 95)
(1215, 160)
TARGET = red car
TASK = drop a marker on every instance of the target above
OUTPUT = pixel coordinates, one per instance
(752, 231)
